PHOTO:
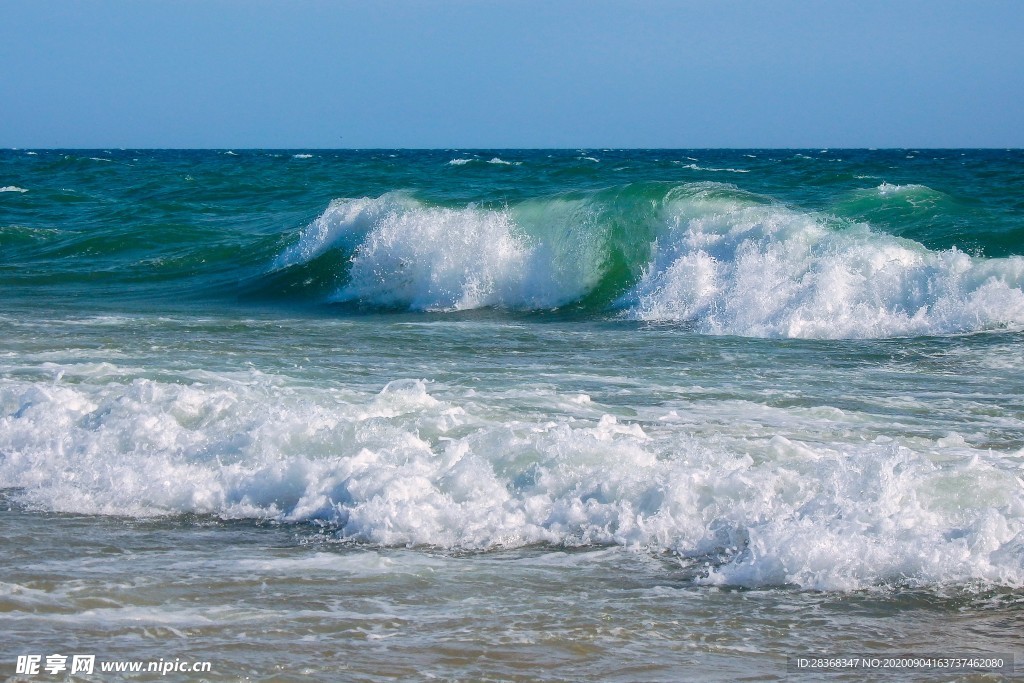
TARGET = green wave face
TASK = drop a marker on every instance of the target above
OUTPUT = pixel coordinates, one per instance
(934, 218)
(577, 250)
(708, 255)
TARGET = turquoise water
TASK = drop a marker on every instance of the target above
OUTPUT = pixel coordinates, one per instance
(511, 415)
(159, 225)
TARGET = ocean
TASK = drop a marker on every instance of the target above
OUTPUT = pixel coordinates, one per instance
(510, 415)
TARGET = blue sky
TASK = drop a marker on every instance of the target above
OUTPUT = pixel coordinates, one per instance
(492, 73)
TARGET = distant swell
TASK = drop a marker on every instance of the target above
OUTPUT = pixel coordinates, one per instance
(707, 255)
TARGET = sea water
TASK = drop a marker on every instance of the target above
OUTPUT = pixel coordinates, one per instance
(510, 415)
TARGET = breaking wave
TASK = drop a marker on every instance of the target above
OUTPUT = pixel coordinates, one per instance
(707, 255)
(411, 465)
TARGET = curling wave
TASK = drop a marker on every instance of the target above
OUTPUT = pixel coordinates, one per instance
(707, 255)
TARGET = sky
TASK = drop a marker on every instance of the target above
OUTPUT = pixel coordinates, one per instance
(504, 74)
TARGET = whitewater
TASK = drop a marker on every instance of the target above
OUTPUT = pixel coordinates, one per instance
(724, 261)
(484, 411)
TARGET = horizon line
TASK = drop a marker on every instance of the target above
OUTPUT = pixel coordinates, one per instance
(508, 149)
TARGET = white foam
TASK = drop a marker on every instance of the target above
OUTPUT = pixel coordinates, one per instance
(12, 188)
(439, 259)
(695, 167)
(362, 564)
(412, 464)
(434, 258)
(460, 162)
(502, 162)
(887, 189)
(344, 222)
(733, 267)
(302, 156)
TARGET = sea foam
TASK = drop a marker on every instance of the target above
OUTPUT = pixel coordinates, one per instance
(732, 267)
(418, 464)
(695, 167)
(403, 253)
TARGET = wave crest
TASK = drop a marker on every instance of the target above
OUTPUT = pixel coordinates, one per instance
(402, 253)
(705, 254)
(768, 271)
